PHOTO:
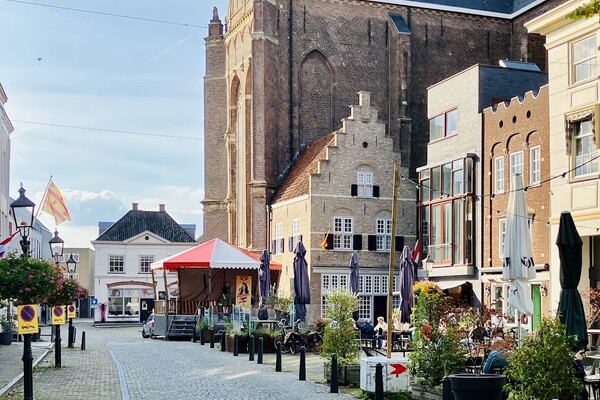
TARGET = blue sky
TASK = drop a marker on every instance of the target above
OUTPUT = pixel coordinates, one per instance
(74, 68)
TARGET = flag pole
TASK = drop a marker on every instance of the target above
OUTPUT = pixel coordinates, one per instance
(392, 262)
(37, 212)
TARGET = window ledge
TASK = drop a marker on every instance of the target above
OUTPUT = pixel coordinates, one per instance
(583, 178)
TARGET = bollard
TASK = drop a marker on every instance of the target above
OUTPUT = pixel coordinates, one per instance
(278, 358)
(212, 338)
(194, 336)
(379, 382)
(57, 349)
(202, 337)
(83, 340)
(302, 371)
(236, 348)
(222, 340)
(260, 351)
(334, 374)
(74, 337)
(251, 348)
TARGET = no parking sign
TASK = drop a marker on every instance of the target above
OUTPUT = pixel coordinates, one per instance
(71, 311)
(58, 315)
(27, 317)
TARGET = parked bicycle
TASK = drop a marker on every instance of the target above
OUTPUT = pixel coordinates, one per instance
(290, 337)
(313, 340)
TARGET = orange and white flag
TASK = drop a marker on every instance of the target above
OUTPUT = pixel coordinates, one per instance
(55, 205)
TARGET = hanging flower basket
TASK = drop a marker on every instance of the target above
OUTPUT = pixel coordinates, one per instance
(27, 280)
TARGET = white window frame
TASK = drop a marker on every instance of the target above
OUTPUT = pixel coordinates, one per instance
(364, 184)
(535, 165)
(516, 167)
(580, 159)
(331, 282)
(502, 232)
(343, 229)
(279, 247)
(499, 175)
(113, 264)
(296, 231)
(144, 262)
(583, 59)
(383, 234)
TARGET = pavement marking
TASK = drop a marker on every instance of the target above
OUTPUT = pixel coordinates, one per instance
(122, 381)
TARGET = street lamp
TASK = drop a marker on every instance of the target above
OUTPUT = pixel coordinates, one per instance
(429, 263)
(23, 214)
(71, 268)
(57, 246)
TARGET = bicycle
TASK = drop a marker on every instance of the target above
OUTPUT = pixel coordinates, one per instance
(314, 341)
(291, 340)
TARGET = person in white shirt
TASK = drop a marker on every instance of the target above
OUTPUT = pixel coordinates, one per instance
(380, 331)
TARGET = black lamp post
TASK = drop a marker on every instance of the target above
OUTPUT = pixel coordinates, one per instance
(71, 268)
(23, 214)
(57, 246)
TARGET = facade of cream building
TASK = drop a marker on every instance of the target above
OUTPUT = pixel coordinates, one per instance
(572, 48)
(339, 193)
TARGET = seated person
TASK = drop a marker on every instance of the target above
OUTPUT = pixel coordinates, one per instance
(496, 362)
(380, 331)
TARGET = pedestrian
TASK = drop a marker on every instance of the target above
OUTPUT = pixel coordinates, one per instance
(225, 300)
(380, 331)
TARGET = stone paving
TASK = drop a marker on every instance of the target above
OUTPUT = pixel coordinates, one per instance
(119, 364)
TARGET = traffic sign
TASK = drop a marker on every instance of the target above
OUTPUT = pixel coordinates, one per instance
(27, 316)
(94, 301)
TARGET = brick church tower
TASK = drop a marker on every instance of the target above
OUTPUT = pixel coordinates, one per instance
(284, 73)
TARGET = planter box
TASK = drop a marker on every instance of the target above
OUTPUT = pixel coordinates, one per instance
(348, 374)
(6, 338)
(471, 386)
(242, 344)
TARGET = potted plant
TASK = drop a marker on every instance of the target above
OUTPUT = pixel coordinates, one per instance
(542, 367)
(437, 351)
(6, 325)
(203, 327)
(339, 336)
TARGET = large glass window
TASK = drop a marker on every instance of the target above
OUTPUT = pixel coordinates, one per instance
(116, 264)
(584, 59)
(123, 302)
(443, 125)
(585, 148)
(342, 233)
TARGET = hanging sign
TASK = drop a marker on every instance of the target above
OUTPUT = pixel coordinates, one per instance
(59, 315)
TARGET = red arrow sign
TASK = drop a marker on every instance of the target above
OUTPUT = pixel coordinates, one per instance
(398, 369)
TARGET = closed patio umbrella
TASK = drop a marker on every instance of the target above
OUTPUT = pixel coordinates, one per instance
(301, 282)
(519, 266)
(570, 306)
(406, 285)
(264, 275)
(354, 273)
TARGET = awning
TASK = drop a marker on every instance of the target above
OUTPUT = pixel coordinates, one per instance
(450, 284)
(213, 254)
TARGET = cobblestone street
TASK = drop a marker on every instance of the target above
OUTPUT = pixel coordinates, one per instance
(119, 364)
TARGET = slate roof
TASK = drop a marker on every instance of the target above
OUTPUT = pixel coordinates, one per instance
(137, 221)
(494, 6)
(296, 183)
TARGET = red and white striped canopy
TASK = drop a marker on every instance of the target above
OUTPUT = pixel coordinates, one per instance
(213, 254)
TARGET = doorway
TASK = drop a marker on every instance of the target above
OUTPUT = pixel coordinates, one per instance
(147, 307)
(379, 308)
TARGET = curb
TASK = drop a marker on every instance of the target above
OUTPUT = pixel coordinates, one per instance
(12, 383)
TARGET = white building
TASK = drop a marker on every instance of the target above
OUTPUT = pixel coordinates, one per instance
(124, 251)
(6, 129)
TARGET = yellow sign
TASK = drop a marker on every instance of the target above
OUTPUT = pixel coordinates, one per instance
(243, 291)
(59, 315)
(27, 318)
(71, 311)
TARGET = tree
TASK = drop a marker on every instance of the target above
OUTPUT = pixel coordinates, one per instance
(339, 334)
(27, 280)
(587, 10)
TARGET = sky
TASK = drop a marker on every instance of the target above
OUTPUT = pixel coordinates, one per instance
(135, 85)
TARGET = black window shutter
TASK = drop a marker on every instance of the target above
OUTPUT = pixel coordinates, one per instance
(372, 242)
(399, 243)
(291, 244)
(273, 247)
(329, 241)
(357, 242)
(354, 189)
(376, 191)
(300, 238)
(282, 245)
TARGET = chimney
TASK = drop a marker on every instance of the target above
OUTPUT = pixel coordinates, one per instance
(161, 207)
(134, 206)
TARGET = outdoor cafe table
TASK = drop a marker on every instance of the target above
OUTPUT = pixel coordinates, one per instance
(272, 324)
(592, 383)
(401, 340)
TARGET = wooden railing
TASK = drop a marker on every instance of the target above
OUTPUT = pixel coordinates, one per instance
(179, 307)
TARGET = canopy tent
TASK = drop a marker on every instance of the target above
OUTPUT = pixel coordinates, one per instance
(213, 254)
(195, 266)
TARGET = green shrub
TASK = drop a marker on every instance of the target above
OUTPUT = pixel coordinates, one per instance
(339, 336)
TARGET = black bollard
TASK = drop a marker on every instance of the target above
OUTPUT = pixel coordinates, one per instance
(278, 358)
(333, 388)
(74, 336)
(379, 382)
(195, 336)
(260, 351)
(212, 338)
(57, 349)
(202, 337)
(83, 340)
(251, 348)
(302, 371)
(235, 345)
(222, 341)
